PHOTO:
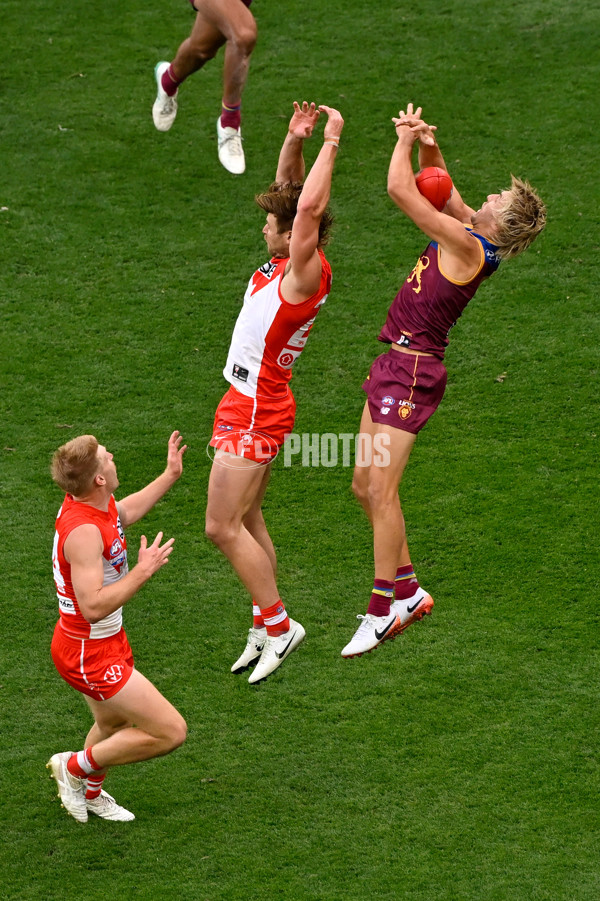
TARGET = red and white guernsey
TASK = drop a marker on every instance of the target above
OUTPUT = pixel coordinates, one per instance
(270, 333)
(114, 560)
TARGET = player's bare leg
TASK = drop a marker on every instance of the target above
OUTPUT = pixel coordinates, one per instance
(255, 523)
(159, 727)
(234, 485)
(376, 488)
(235, 491)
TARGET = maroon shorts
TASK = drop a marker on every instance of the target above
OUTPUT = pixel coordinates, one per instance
(404, 390)
(253, 427)
(98, 667)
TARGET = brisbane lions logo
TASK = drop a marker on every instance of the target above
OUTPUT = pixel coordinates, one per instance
(417, 273)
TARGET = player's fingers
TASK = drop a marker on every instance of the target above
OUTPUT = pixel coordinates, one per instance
(168, 545)
(157, 540)
(143, 543)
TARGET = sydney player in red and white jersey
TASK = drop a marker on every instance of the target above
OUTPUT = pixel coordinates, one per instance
(132, 719)
(282, 300)
(406, 384)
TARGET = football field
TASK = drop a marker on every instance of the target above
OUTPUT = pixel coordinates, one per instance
(459, 762)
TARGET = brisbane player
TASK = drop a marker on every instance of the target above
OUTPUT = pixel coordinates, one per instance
(406, 384)
(132, 719)
(280, 305)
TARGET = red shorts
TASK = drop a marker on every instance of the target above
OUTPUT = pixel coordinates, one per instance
(98, 667)
(253, 427)
(404, 390)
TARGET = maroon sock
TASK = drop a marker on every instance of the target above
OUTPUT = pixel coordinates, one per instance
(406, 583)
(231, 116)
(381, 598)
(169, 82)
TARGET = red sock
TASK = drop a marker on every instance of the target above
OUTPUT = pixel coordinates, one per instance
(381, 598)
(257, 619)
(94, 786)
(82, 764)
(231, 116)
(169, 82)
(406, 583)
(275, 619)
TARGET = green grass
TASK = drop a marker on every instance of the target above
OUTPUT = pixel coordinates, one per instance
(458, 763)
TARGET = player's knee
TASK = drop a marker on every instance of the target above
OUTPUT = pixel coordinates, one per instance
(202, 51)
(219, 532)
(174, 735)
(245, 39)
(360, 488)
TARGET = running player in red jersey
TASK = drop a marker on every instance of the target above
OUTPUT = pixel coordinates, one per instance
(406, 384)
(282, 300)
(217, 22)
(132, 720)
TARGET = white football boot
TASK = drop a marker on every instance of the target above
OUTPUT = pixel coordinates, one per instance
(276, 649)
(254, 647)
(71, 789)
(231, 152)
(372, 631)
(413, 609)
(106, 807)
(165, 107)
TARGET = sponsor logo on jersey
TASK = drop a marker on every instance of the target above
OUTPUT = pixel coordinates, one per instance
(404, 340)
(385, 410)
(287, 358)
(268, 269)
(388, 401)
(114, 673)
(238, 372)
(226, 428)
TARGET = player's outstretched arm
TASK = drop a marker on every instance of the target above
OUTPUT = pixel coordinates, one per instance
(304, 275)
(83, 549)
(290, 167)
(431, 155)
(135, 506)
(403, 190)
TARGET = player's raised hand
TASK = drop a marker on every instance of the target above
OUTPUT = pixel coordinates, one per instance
(303, 120)
(334, 124)
(151, 558)
(175, 455)
(420, 130)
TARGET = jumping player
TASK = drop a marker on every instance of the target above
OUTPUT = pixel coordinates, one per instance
(132, 720)
(217, 22)
(406, 384)
(280, 305)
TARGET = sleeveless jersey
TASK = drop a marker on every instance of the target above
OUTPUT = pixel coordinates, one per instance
(429, 303)
(270, 333)
(114, 560)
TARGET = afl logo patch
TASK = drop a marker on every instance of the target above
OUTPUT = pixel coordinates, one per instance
(388, 401)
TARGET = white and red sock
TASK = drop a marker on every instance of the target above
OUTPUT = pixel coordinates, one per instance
(82, 764)
(275, 619)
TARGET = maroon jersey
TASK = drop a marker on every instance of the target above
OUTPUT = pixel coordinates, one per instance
(429, 303)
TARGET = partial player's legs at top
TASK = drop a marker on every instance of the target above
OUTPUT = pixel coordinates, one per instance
(218, 22)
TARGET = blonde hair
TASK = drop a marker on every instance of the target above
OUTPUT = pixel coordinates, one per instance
(75, 464)
(282, 201)
(519, 221)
